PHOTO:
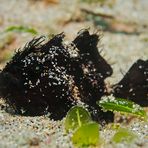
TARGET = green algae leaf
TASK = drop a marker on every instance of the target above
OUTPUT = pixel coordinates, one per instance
(121, 105)
(86, 135)
(124, 135)
(21, 29)
(76, 117)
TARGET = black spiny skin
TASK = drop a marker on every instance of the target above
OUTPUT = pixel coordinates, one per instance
(51, 77)
(90, 73)
(134, 85)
